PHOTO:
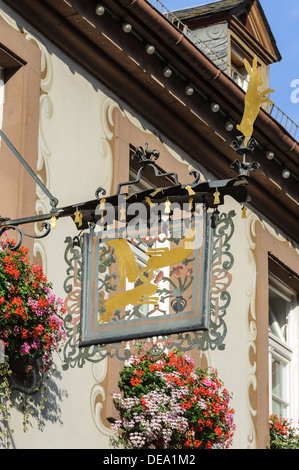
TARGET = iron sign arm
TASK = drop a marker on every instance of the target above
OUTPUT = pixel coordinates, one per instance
(53, 200)
(202, 192)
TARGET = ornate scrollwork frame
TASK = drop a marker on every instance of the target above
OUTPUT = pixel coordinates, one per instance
(213, 338)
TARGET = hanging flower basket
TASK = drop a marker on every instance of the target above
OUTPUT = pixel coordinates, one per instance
(26, 373)
(31, 321)
(282, 434)
(168, 403)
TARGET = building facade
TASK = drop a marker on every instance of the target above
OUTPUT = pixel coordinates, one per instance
(82, 85)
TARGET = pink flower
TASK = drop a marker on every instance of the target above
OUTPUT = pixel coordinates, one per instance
(25, 348)
(189, 359)
(206, 382)
(35, 344)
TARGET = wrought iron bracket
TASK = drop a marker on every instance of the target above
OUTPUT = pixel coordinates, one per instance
(244, 167)
(145, 156)
(201, 192)
(53, 200)
(21, 233)
(241, 148)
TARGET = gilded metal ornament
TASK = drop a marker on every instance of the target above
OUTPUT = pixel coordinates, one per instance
(253, 100)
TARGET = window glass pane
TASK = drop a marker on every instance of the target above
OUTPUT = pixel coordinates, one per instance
(278, 378)
(278, 314)
(279, 409)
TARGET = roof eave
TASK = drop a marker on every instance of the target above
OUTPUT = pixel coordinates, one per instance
(73, 26)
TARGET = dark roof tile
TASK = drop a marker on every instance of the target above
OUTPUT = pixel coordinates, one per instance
(209, 9)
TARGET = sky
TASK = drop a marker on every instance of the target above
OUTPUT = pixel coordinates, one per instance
(283, 18)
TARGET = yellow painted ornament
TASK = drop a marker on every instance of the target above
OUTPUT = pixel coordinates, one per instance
(190, 203)
(78, 217)
(148, 200)
(244, 212)
(216, 197)
(122, 213)
(154, 193)
(53, 222)
(190, 190)
(128, 268)
(167, 206)
(102, 204)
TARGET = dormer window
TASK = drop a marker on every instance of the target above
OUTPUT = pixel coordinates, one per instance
(238, 72)
(229, 31)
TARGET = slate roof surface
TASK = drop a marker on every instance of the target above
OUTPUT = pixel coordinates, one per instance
(209, 8)
(226, 8)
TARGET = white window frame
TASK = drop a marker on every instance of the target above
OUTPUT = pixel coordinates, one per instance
(286, 351)
(241, 79)
(239, 75)
(279, 353)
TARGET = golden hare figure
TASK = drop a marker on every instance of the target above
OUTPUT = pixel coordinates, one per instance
(128, 268)
(127, 264)
(140, 295)
(162, 257)
(253, 100)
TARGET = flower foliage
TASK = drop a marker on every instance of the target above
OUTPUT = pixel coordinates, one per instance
(282, 434)
(31, 329)
(168, 403)
(31, 317)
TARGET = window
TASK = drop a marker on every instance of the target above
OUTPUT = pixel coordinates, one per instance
(238, 72)
(20, 80)
(282, 326)
(281, 259)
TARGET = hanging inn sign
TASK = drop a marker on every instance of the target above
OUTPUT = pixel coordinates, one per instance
(147, 259)
(157, 245)
(147, 254)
